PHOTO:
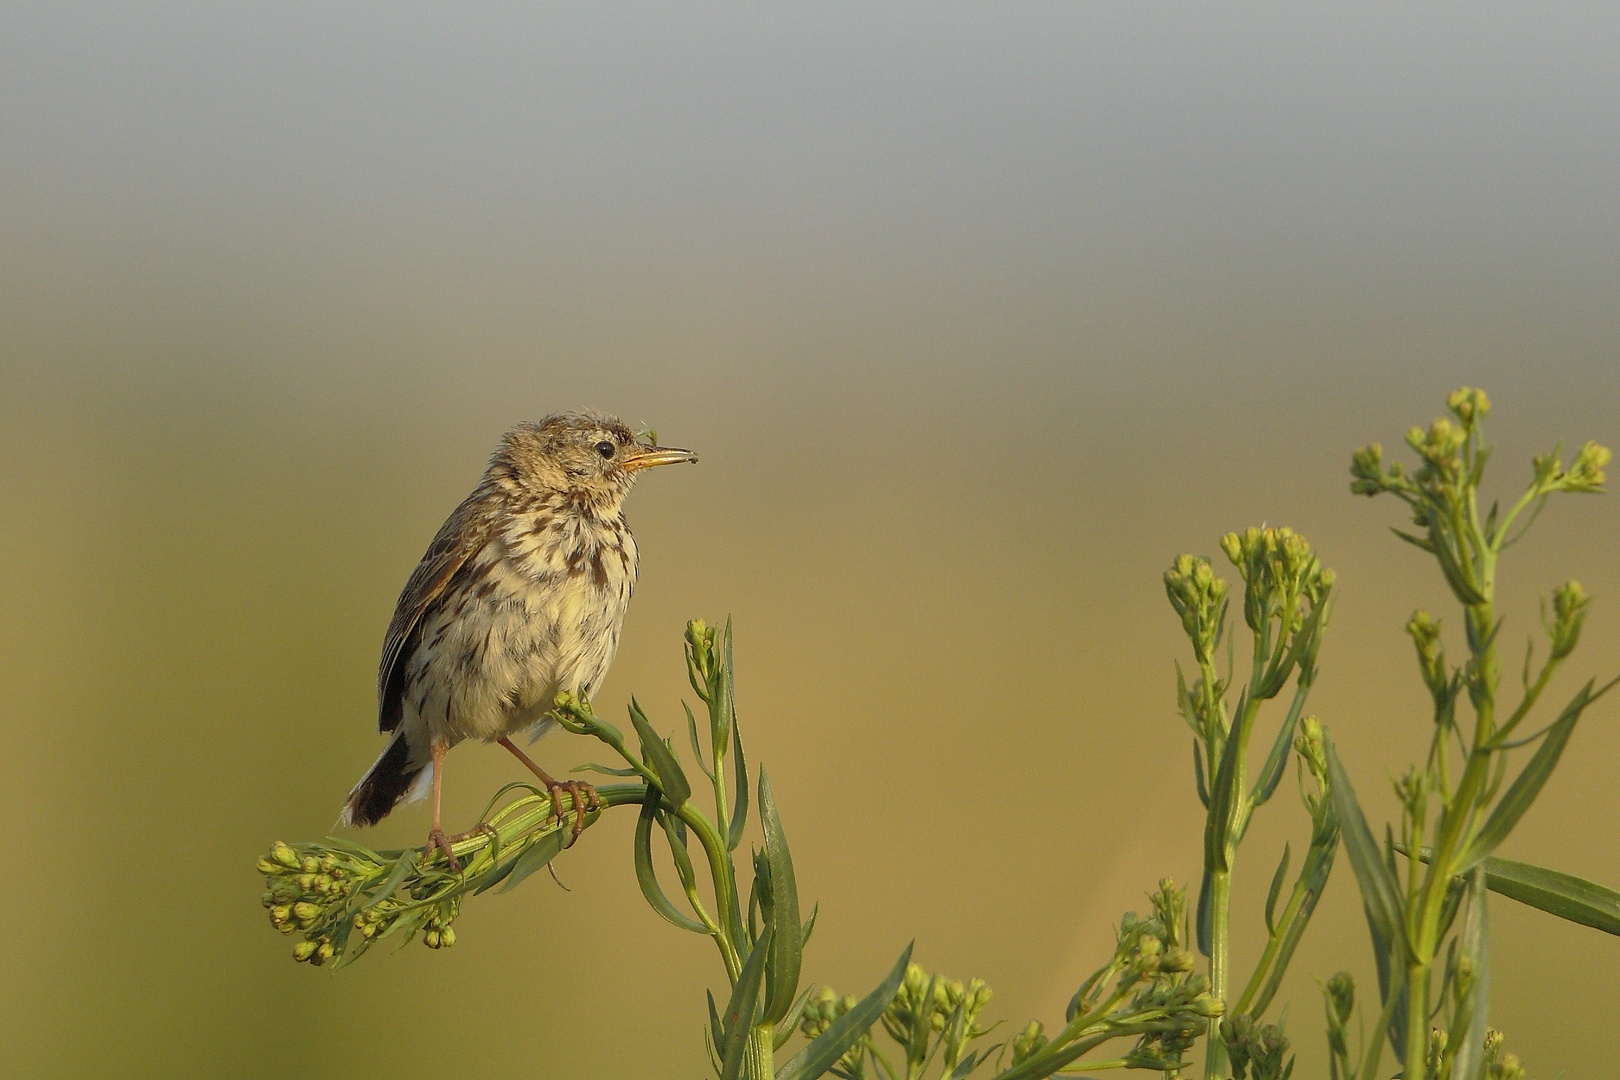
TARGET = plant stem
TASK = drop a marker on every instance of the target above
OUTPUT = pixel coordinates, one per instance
(761, 1052)
(1220, 907)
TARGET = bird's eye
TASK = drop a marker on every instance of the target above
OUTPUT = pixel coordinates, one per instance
(605, 448)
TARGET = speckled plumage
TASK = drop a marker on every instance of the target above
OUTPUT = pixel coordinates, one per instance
(520, 596)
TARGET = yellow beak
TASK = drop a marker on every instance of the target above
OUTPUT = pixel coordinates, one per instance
(645, 457)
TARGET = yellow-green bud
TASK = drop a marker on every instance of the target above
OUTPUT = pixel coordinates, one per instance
(280, 913)
(268, 899)
(328, 863)
(1177, 960)
(303, 951)
(1569, 612)
(1469, 405)
(447, 937)
(1586, 472)
(431, 939)
(268, 868)
(304, 911)
(325, 950)
(284, 855)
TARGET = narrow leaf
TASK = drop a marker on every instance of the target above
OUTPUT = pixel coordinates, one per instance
(1379, 891)
(1527, 785)
(786, 934)
(739, 806)
(1276, 889)
(396, 878)
(1319, 864)
(647, 878)
(717, 1031)
(808, 928)
(785, 1026)
(739, 1015)
(1198, 771)
(1223, 805)
(607, 770)
(1560, 894)
(656, 752)
(691, 730)
(534, 857)
(1271, 773)
(825, 1049)
(1205, 920)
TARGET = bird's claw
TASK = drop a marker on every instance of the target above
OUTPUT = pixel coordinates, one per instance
(437, 839)
(584, 800)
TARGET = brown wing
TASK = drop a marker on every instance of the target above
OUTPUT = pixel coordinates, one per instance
(461, 537)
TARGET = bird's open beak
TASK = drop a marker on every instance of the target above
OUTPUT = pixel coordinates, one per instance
(645, 457)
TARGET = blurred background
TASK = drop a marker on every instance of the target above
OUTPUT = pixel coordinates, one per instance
(978, 315)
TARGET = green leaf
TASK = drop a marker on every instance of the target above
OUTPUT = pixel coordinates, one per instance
(1379, 891)
(739, 1015)
(1204, 921)
(396, 878)
(786, 933)
(607, 770)
(656, 752)
(716, 1033)
(1476, 933)
(1224, 798)
(647, 878)
(1271, 773)
(809, 927)
(1318, 865)
(534, 857)
(1527, 785)
(739, 806)
(1276, 889)
(1557, 893)
(691, 731)
(825, 1049)
(785, 1026)
(1198, 771)
(675, 833)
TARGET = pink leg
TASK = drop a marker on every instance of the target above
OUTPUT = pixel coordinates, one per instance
(583, 794)
(436, 837)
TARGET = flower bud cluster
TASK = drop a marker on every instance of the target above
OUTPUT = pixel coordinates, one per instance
(700, 656)
(1256, 1051)
(1028, 1042)
(823, 1007)
(309, 893)
(1469, 405)
(1199, 598)
(1279, 569)
(323, 894)
(1500, 1065)
(1340, 993)
(1563, 624)
(1424, 630)
(928, 1003)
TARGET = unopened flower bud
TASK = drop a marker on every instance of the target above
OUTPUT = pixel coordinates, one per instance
(305, 912)
(1568, 613)
(303, 951)
(325, 951)
(1177, 960)
(284, 855)
(431, 939)
(267, 867)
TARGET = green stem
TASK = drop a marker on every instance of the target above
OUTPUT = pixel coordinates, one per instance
(1417, 1018)
(1220, 908)
(761, 1052)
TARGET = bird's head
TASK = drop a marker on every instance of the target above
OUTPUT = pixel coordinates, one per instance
(586, 454)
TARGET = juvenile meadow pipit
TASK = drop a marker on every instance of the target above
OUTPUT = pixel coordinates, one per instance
(519, 597)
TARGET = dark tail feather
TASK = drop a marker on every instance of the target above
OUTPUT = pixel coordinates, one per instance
(383, 786)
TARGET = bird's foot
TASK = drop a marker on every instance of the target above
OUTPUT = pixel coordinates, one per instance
(584, 800)
(437, 839)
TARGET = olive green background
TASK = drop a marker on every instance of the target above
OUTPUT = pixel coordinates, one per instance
(978, 315)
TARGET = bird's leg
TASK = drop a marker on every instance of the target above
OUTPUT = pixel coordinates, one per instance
(436, 837)
(584, 795)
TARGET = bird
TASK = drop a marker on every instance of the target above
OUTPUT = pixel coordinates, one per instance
(520, 596)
